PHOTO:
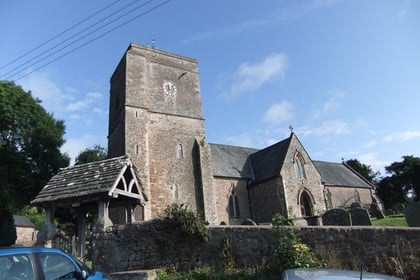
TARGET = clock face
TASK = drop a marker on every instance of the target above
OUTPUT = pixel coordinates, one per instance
(169, 88)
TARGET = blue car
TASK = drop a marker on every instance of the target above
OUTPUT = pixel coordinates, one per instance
(28, 263)
(329, 274)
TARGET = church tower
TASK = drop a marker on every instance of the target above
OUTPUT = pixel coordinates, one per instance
(155, 117)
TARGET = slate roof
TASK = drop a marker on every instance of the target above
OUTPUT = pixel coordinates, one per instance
(259, 165)
(338, 174)
(231, 161)
(83, 183)
(22, 221)
(267, 163)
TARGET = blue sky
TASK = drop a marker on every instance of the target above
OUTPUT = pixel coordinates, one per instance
(344, 74)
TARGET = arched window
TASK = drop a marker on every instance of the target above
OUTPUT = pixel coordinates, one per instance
(356, 196)
(328, 200)
(234, 205)
(300, 166)
(180, 151)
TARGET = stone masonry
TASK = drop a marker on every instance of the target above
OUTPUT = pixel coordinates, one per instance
(153, 244)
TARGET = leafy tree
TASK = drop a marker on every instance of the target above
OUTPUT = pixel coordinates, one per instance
(30, 141)
(363, 169)
(403, 183)
(7, 228)
(36, 215)
(96, 153)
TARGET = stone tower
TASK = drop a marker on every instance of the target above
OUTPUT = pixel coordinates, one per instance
(155, 117)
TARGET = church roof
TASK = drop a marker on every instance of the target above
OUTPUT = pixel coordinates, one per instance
(267, 163)
(259, 165)
(90, 182)
(338, 174)
(231, 161)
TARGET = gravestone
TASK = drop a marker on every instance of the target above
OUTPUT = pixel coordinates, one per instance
(360, 217)
(412, 214)
(399, 208)
(336, 217)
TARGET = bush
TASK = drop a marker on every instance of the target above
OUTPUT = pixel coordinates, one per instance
(289, 251)
(189, 223)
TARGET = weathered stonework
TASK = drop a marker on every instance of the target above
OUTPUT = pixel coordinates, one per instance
(153, 245)
(156, 119)
(156, 129)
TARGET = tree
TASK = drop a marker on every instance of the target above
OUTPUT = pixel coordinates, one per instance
(96, 153)
(403, 184)
(30, 141)
(363, 169)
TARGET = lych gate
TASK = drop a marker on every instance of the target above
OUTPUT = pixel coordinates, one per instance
(108, 189)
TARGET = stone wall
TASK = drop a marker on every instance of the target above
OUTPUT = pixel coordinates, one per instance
(155, 244)
(26, 236)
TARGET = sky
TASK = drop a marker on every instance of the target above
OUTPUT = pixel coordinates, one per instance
(344, 74)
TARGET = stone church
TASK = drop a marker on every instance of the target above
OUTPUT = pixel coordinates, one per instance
(158, 155)
(156, 119)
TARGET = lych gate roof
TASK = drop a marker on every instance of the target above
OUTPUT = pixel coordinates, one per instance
(231, 161)
(91, 182)
(338, 174)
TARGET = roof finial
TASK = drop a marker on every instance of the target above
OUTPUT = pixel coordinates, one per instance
(291, 128)
(153, 43)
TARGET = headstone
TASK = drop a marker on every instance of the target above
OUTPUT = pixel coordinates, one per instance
(390, 212)
(376, 211)
(355, 205)
(336, 217)
(412, 214)
(360, 217)
(399, 208)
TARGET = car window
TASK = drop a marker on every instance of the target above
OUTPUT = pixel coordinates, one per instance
(16, 267)
(57, 267)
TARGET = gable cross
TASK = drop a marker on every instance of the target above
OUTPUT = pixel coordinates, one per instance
(291, 128)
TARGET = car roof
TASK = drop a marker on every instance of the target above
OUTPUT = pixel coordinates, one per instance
(26, 250)
(328, 273)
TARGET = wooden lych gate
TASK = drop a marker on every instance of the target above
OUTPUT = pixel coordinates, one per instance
(107, 188)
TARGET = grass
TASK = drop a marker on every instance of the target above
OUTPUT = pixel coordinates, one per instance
(390, 221)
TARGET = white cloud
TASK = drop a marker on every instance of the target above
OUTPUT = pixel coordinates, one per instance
(370, 144)
(250, 77)
(402, 136)
(372, 160)
(276, 18)
(278, 113)
(53, 98)
(74, 146)
(331, 105)
(89, 99)
(241, 140)
(328, 128)
(405, 7)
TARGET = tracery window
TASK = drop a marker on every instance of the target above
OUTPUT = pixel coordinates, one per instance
(300, 166)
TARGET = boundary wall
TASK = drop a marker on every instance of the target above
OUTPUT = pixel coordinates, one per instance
(155, 244)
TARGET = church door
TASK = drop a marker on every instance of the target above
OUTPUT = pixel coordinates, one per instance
(305, 205)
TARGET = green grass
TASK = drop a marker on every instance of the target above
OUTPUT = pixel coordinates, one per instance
(390, 221)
